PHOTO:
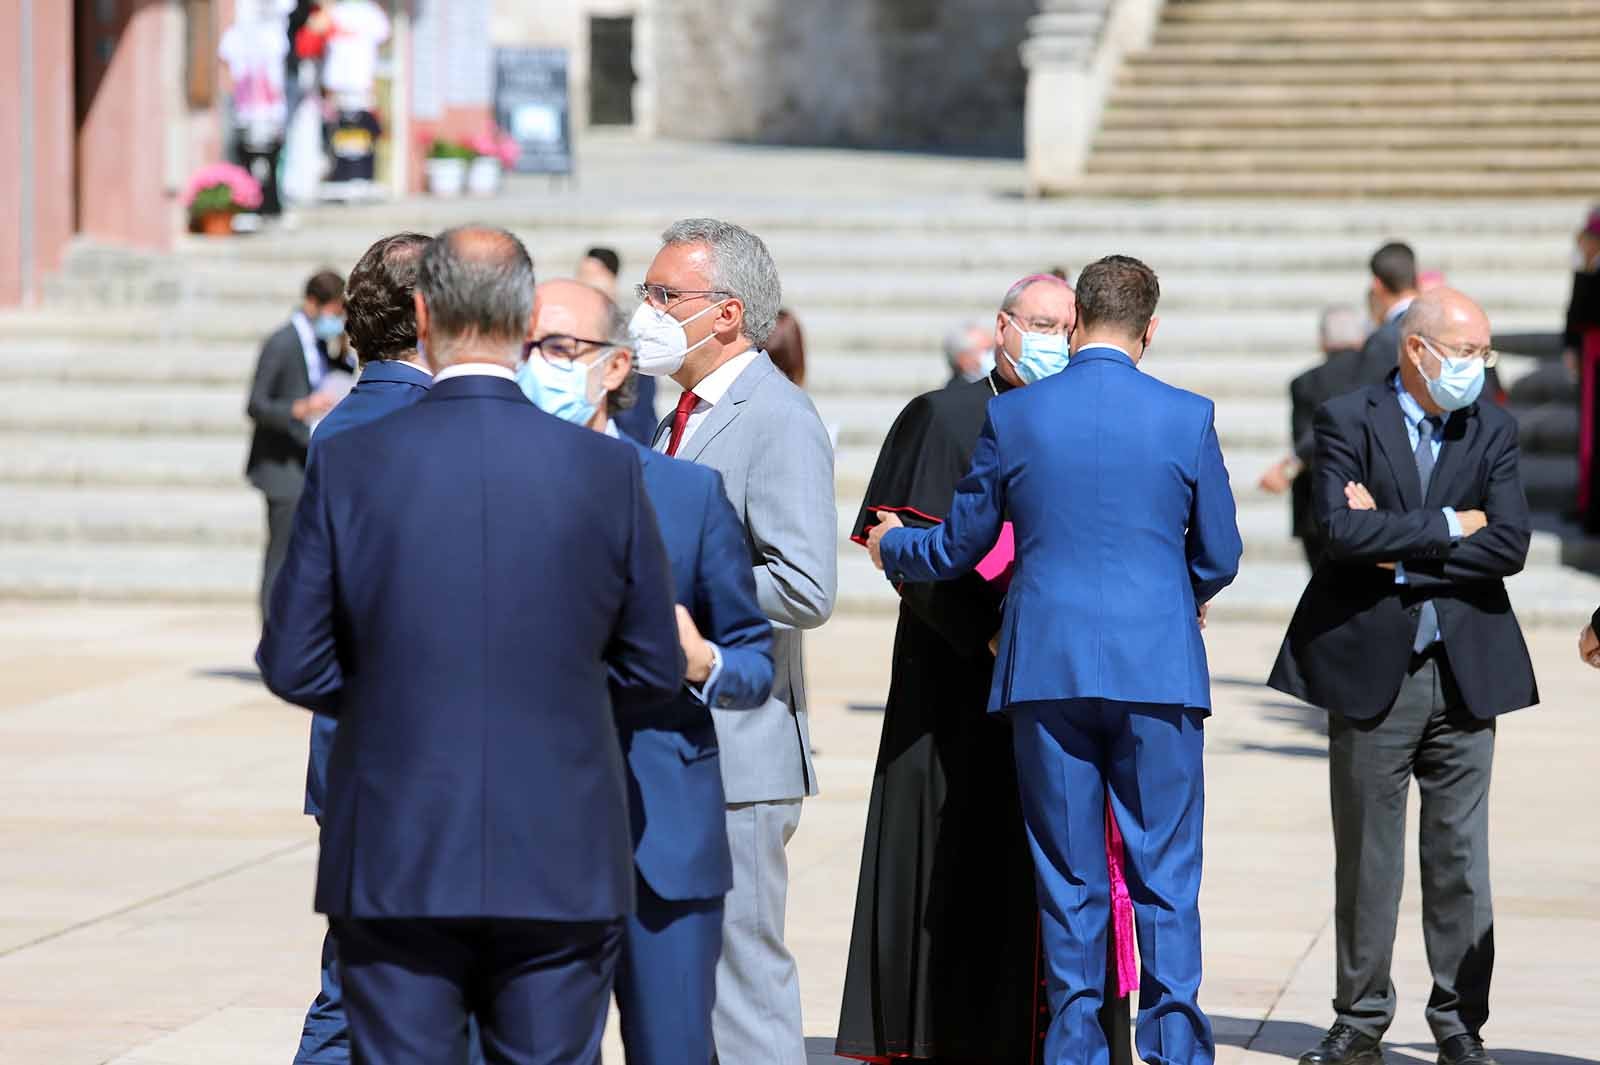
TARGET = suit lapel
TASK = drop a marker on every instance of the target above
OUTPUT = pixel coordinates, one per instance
(1460, 434)
(723, 414)
(1389, 423)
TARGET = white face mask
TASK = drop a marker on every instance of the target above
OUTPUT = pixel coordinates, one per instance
(1459, 383)
(660, 342)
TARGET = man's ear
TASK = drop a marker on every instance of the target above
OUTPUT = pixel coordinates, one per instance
(421, 309)
(1150, 331)
(617, 369)
(730, 318)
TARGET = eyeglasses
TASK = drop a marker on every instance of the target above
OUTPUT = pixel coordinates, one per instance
(1047, 326)
(662, 296)
(1489, 356)
(560, 351)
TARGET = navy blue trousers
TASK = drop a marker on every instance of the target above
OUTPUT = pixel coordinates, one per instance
(325, 1038)
(539, 989)
(1149, 757)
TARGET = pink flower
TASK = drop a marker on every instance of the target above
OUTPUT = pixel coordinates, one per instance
(507, 149)
(243, 190)
(497, 144)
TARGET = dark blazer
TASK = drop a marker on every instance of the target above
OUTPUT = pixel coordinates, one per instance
(638, 423)
(1341, 372)
(474, 630)
(675, 778)
(1349, 645)
(1124, 525)
(277, 459)
(384, 388)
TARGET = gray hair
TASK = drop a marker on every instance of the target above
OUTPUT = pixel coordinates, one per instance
(477, 283)
(1341, 328)
(960, 339)
(741, 266)
(1014, 293)
(625, 395)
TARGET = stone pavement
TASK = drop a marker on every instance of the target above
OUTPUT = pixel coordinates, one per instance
(155, 890)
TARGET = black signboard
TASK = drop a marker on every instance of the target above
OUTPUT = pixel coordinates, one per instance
(531, 103)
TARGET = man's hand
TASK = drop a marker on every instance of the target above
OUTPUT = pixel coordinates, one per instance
(1277, 477)
(1471, 521)
(875, 535)
(994, 645)
(1204, 609)
(1589, 646)
(696, 651)
(317, 403)
(1357, 496)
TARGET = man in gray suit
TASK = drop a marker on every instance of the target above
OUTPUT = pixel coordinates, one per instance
(709, 300)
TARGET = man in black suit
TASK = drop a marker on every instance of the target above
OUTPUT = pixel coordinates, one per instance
(1341, 334)
(1406, 637)
(283, 405)
(1394, 286)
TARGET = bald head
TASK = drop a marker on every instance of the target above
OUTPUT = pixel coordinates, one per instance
(474, 297)
(572, 308)
(1440, 324)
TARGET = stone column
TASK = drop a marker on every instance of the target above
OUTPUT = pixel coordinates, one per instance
(1073, 52)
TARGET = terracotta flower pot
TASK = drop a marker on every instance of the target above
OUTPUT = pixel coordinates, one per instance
(217, 223)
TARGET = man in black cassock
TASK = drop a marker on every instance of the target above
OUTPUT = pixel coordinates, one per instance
(944, 958)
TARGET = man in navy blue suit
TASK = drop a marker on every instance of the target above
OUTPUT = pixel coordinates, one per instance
(381, 322)
(579, 368)
(477, 632)
(1125, 529)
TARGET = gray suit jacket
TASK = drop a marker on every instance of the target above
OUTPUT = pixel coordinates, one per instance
(772, 450)
(277, 462)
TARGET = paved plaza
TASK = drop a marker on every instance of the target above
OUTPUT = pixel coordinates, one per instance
(155, 891)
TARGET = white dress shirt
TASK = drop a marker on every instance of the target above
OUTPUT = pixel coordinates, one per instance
(475, 369)
(316, 366)
(712, 388)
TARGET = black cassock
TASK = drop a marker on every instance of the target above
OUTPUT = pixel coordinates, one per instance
(944, 959)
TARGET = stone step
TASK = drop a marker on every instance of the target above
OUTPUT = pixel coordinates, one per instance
(1151, 68)
(55, 458)
(1377, 15)
(1338, 186)
(1338, 161)
(1433, 28)
(1265, 590)
(1227, 111)
(1418, 93)
(1424, 51)
(1516, 136)
(944, 296)
(826, 330)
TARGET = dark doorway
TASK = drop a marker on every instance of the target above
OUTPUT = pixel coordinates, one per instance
(611, 76)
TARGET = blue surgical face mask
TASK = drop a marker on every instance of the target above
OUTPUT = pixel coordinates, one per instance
(328, 326)
(1043, 354)
(1459, 383)
(562, 392)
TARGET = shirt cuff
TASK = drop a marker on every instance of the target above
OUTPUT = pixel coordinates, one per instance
(1400, 573)
(1454, 522)
(703, 691)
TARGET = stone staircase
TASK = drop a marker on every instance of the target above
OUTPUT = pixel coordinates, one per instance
(122, 432)
(1357, 97)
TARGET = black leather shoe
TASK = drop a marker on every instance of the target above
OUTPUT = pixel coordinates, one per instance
(1343, 1045)
(1464, 1050)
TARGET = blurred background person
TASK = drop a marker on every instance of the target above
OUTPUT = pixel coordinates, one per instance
(285, 403)
(1340, 334)
(1393, 287)
(787, 348)
(601, 267)
(969, 352)
(254, 50)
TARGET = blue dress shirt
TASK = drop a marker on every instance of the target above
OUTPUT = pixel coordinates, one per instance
(1414, 417)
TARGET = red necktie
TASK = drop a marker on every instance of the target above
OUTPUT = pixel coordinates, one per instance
(680, 420)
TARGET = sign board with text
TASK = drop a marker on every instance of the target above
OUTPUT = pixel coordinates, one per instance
(532, 104)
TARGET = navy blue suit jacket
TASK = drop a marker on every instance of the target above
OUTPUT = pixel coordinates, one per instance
(679, 824)
(472, 627)
(385, 387)
(1124, 524)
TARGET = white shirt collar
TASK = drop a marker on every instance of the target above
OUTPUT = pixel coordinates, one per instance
(611, 430)
(1101, 344)
(1398, 309)
(715, 384)
(308, 347)
(475, 369)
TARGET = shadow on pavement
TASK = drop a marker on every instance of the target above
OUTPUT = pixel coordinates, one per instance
(1290, 1039)
(246, 676)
